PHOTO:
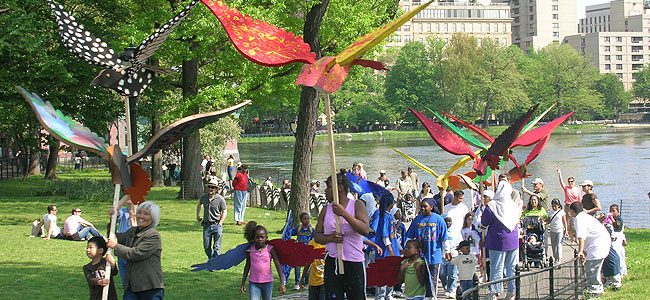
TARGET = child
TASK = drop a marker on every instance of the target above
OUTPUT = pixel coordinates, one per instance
(386, 238)
(618, 238)
(305, 233)
(557, 227)
(258, 262)
(400, 233)
(316, 279)
(413, 272)
(466, 263)
(473, 236)
(431, 230)
(94, 271)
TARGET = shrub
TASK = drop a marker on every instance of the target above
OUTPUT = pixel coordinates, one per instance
(89, 189)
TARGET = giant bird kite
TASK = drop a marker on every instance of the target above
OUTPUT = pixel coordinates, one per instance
(126, 73)
(124, 170)
(489, 157)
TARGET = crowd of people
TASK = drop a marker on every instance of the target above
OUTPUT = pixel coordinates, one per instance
(445, 240)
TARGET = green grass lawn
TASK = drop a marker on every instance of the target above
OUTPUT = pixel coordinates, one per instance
(636, 285)
(33, 268)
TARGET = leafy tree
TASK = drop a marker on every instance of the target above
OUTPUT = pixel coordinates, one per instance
(416, 79)
(360, 104)
(462, 55)
(499, 85)
(559, 75)
(615, 97)
(641, 88)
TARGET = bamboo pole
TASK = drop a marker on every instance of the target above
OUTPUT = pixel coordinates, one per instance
(333, 172)
(107, 271)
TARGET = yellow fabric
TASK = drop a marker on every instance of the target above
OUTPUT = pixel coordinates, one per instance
(365, 43)
(316, 270)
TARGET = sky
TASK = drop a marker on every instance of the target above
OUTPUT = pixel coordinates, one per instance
(583, 3)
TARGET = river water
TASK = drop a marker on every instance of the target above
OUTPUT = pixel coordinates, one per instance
(615, 159)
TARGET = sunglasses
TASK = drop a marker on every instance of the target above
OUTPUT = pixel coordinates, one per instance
(77, 211)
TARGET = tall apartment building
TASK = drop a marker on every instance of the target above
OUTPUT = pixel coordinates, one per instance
(615, 37)
(442, 19)
(538, 23)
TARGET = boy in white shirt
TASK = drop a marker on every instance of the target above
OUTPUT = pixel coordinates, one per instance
(466, 263)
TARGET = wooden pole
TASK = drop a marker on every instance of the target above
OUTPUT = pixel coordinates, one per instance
(333, 172)
(128, 124)
(107, 271)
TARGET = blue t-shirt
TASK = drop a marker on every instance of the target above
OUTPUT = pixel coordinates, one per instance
(304, 234)
(387, 230)
(431, 231)
(400, 230)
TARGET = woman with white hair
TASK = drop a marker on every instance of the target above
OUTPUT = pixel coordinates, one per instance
(141, 247)
(502, 239)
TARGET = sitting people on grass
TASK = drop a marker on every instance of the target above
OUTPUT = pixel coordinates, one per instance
(76, 228)
(51, 230)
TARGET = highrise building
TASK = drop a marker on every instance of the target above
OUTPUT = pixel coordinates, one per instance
(538, 23)
(615, 38)
(442, 19)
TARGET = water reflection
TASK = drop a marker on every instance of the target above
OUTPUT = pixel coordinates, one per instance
(615, 159)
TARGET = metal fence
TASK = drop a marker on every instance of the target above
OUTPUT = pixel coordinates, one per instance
(12, 168)
(88, 162)
(562, 281)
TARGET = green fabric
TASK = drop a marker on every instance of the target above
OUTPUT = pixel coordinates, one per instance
(534, 121)
(413, 286)
(535, 213)
(461, 133)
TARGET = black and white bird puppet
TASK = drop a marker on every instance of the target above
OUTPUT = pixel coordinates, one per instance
(126, 73)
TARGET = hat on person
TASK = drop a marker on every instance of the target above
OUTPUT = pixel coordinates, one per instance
(463, 244)
(213, 182)
(489, 194)
(538, 180)
(587, 182)
(382, 171)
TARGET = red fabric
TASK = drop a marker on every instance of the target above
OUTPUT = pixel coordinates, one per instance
(383, 271)
(141, 184)
(319, 75)
(369, 64)
(260, 42)
(502, 143)
(443, 137)
(472, 127)
(541, 132)
(240, 182)
(296, 254)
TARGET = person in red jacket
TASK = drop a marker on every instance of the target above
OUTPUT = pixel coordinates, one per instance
(240, 187)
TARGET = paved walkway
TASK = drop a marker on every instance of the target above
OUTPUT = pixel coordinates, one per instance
(533, 287)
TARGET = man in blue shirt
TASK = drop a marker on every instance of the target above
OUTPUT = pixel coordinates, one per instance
(431, 230)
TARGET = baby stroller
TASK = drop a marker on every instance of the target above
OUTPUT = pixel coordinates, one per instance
(532, 250)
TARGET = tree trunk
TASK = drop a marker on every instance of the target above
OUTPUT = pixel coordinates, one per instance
(52, 158)
(156, 162)
(307, 116)
(34, 162)
(192, 186)
(486, 112)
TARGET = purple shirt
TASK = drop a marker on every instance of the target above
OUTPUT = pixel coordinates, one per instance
(498, 236)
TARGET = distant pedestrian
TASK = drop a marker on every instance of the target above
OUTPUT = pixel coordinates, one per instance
(230, 167)
(540, 191)
(557, 227)
(590, 201)
(415, 181)
(572, 193)
(240, 187)
(593, 246)
(214, 215)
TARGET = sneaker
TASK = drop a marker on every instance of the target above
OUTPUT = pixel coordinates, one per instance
(450, 295)
(296, 287)
(398, 294)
